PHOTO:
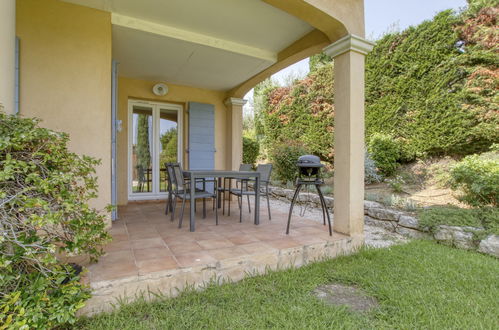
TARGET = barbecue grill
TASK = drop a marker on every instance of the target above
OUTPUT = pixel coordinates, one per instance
(309, 174)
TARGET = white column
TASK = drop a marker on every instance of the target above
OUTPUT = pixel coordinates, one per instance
(7, 54)
(234, 132)
(349, 53)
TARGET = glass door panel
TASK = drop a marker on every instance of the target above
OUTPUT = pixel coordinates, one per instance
(168, 143)
(142, 149)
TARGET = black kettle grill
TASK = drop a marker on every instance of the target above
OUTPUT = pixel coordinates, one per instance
(309, 174)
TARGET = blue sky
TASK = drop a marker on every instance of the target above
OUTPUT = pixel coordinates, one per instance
(383, 16)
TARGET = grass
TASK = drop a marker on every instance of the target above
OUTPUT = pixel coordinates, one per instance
(419, 285)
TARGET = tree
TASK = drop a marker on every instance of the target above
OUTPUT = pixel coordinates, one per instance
(143, 151)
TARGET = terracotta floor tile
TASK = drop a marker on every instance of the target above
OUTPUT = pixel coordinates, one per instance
(122, 256)
(267, 236)
(218, 243)
(242, 238)
(179, 239)
(284, 243)
(118, 246)
(151, 253)
(156, 265)
(148, 243)
(195, 259)
(120, 237)
(257, 247)
(308, 239)
(136, 235)
(112, 271)
(226, 253)
(184, 248)
(312, 229)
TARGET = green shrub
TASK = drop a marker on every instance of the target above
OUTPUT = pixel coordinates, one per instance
(433, 86)
(251, 149)
(486, 217)
(477, 177)
(385, 151)
(44, 212)
(284, 157)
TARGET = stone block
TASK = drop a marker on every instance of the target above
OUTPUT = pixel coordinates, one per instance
(461, 237)
(490, 245)
(408, 222)
(384, 214)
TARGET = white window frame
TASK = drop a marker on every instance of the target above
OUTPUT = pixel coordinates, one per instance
(156, 108)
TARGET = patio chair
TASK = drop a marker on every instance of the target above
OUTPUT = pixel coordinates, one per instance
(170, 184)
(265, 170)
(169, 189)
(182, 191)
(143, 178)
(224, 188)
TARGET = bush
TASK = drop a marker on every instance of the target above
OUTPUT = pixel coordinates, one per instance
(284, 157)
(44, 212)
(486, 217)
(251, 149)
(477, 177)
(385, 151)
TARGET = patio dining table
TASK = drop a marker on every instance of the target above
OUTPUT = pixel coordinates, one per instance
(219, 174)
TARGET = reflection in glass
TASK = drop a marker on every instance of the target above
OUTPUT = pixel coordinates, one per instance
(168, 146)
(142, 150)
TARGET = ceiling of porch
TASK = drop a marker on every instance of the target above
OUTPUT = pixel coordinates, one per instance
(215, 44)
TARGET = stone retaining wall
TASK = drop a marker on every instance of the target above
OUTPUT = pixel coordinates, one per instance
(404, 223)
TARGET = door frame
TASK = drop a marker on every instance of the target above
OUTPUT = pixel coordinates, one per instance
(156, 106)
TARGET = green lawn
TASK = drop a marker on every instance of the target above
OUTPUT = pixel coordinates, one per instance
(419, 285)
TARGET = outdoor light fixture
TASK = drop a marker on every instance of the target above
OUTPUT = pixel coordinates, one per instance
(160, 89)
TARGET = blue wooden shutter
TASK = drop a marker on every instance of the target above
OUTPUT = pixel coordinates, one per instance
(202, 137)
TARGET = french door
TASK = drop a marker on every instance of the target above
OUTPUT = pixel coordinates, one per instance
(154, 138)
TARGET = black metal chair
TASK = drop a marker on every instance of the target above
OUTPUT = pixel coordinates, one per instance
(169, 189)
(224, 188)
(182, 191)
(170, 184)
(143, 178)
(265, 170)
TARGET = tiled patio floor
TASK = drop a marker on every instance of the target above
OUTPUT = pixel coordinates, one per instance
(148, 249)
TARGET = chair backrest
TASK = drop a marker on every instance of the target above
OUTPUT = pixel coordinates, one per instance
(141, 175)
(245, 167)
(178, 175)
(265, 171)
(169, 177)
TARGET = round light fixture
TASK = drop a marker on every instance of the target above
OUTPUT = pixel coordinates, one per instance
(160, 89)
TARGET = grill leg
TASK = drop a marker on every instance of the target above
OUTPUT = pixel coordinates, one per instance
(297, 191)
(324, 208)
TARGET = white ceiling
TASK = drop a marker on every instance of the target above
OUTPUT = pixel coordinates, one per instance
(245, 28)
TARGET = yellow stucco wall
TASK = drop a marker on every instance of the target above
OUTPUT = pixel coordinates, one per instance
(65, 67)
(142, 90)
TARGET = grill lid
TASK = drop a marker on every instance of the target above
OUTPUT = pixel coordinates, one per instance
(309, 161)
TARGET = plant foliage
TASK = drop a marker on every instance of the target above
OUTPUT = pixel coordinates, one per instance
(385, 152)
(44, 213)
(284, 157)
(433, 88)
(477, 177)
(251, 149)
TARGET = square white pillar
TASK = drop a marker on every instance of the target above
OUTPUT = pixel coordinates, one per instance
(234, 132)
(7, 54)
(349, 54)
